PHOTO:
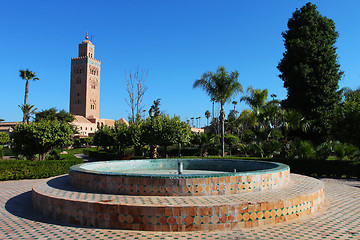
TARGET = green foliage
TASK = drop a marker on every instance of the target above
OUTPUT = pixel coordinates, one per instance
(134, 134)
(352, 152)
(296, 148)
(306, 150)
(53, 114)
(28, 110)
(121, 136)
(310, 70)
(26, 169)
(231, 140)
(202, 140)
(155, 107)
(104, 137)
(256, 98)
(324, 150)
(220, 86)
(165, 131)
(1, 153)
(53, 155)
(86, 141)
(40, 138)
(257, 149)
(322, 168)
(347, 114)
(272, 148)
(339, 151)
(268, 149)
(4, 138)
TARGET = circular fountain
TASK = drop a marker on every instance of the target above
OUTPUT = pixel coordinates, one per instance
(161, 177)
(178, 195)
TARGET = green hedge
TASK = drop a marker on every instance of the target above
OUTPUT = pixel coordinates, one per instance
(310, 167)
(322, 168)
(26, 169)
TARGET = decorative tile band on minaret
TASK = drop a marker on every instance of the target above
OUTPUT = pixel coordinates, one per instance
(85, 82)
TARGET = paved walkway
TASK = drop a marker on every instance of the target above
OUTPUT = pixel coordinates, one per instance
(339, 219)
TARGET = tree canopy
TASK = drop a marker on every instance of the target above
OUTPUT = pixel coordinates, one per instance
(4, 138)
(165, 131)
(40, 138)
(53, 114)
(346, 127)
(310, 68)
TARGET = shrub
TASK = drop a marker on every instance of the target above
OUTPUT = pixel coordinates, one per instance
(240, 149)
(272, 148)
(351, 151)
(257, 149)
(26, 169)
(339, 151)
(4, 138)
(40, 138)
(53, 155)
(306, 150)
(8, 152)
(322, 168)
(324, 150)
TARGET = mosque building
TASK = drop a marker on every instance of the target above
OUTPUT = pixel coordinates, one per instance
(85, 91)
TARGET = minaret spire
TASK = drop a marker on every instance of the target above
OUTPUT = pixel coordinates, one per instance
(87, 36)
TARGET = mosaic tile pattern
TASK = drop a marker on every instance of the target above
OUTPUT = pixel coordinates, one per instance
(186, 185)
(338, 219)
(56, 199)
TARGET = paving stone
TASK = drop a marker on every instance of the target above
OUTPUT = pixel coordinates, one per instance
(338, 219)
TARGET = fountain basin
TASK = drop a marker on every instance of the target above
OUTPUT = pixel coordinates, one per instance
(159, 177)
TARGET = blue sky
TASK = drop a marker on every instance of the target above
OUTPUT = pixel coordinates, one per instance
(176, 41)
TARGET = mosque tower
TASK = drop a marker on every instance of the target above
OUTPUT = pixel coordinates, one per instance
(85, 82)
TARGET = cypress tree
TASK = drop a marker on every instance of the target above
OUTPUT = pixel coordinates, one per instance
(310, 69)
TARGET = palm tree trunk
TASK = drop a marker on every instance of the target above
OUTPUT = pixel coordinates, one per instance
(179, 149)
(222, 122)
(26, 91)
(213, 116)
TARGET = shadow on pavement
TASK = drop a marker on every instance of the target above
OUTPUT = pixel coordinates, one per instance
(21, 206)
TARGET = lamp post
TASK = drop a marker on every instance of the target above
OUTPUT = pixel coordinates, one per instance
(152, 113)
(153, 150)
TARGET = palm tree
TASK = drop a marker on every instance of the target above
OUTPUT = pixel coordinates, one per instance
(220, 86)
(27, 110)
(27, 75)
(207, 115)
(213, 106)
(256, 98)
(292, 120)
(234, 102)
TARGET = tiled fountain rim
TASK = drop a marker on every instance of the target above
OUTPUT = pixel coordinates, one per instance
(273, 168)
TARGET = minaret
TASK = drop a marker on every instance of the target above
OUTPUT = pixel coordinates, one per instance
(85, 82)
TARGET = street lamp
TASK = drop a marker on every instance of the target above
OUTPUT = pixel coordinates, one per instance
(153, 152)
(152, 113)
